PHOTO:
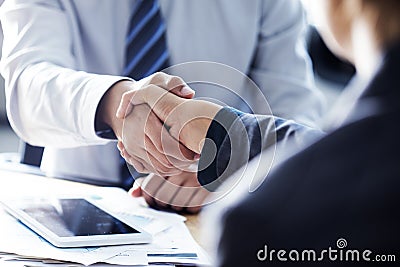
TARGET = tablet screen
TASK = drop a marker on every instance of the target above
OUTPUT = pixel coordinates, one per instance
(75, 217)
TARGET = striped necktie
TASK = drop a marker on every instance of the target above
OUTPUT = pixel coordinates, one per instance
(146, 44)
(146, 53)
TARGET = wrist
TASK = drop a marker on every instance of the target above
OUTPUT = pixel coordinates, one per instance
(106, 111)
(195, 130)
(202, 126)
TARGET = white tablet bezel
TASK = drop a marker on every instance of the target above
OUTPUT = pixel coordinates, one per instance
(13, 206)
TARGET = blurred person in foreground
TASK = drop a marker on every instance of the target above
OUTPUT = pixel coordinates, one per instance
(339, 193)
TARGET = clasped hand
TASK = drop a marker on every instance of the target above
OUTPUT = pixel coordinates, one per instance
(163, 133)
(174, 127)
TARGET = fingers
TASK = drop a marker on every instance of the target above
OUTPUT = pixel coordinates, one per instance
(157, 168)
(135, 192)
(166, 162)
(142, 145)
(181, 156)
(135, 162)
(159, 100)
(158, 160)
(168, 146)
(172, 84)
(167, 191)
(192, 195)
(150, 186)
(180, 193)
(147, 163)
(197, 200)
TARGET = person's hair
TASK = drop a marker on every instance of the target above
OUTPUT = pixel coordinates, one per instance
(387, 17)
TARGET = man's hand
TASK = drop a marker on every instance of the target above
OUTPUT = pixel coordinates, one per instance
(146, 139)
(187, 120)
(179, 192)
(171, 84)
(145, 135)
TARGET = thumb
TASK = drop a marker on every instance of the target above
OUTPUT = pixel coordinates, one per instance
(160, 101)
(171, 83)
(183, 91)
(127, 102)
(135, 191)
(125, 106)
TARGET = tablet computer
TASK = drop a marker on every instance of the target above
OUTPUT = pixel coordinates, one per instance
(74, 222)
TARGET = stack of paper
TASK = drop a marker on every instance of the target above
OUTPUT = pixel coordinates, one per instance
(172, 242)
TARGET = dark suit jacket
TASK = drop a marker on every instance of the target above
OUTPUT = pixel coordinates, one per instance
(344, 187)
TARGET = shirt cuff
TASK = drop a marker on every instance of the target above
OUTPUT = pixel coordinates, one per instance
(99, 85)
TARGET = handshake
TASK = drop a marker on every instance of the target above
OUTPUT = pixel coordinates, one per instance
(161, 130)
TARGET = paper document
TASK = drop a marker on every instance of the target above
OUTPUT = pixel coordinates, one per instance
(172, 241)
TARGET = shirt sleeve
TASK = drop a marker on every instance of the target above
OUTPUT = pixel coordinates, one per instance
(234, 138)
(282, 67)
(49, 101)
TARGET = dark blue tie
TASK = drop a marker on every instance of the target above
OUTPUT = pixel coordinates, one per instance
(146, 44)
(146, 53)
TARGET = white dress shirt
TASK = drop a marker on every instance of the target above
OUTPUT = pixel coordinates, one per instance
(61, 56)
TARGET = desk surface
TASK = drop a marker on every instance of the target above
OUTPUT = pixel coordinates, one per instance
(193, 224)
(14, 183)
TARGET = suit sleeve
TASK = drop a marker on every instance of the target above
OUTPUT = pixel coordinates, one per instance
(234, 138)
(282, 67)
